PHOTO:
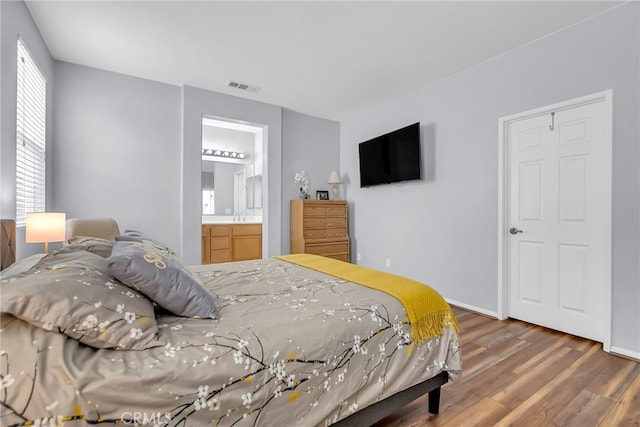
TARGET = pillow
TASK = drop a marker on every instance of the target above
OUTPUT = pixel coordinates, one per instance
(128, 238)
(94, 245)
(138, 236)
(73, 293)
(135, 233)
(162, 278)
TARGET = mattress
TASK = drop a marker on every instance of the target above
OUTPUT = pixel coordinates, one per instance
(290, 346)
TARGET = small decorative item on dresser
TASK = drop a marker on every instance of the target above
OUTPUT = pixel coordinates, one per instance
(302, 178)
(334, 180)
(322, 195)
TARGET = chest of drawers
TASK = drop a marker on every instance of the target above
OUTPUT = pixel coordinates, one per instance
(320, 227)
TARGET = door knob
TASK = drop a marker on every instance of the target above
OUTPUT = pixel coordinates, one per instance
(514, 230)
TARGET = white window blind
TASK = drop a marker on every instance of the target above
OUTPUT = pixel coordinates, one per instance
(30, 133)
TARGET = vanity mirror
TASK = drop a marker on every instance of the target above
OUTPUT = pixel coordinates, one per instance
(231, 171)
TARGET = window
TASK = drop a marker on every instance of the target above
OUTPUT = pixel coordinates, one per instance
(30, 136)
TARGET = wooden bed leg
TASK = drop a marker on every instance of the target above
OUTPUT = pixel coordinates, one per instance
(434, 401)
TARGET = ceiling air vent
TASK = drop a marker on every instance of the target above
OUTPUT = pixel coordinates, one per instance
(243, 86)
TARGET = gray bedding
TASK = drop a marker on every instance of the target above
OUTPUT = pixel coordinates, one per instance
(290, 346)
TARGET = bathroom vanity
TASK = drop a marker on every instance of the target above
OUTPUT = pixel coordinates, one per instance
(231, 241)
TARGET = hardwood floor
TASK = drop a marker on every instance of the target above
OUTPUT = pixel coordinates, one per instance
(518, 374)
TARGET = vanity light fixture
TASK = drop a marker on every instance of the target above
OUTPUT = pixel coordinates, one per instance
(219, 153)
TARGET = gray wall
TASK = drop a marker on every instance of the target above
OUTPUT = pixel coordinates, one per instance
(198, 102)
(118, 145)
(15, 20)
(310, 144)
(443, 230)
(130, 148)
(2, 177)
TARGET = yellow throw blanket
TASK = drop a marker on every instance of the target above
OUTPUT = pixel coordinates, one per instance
(428, 312)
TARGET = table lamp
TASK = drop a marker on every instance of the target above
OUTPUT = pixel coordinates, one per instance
(45, 227)
(334, 180)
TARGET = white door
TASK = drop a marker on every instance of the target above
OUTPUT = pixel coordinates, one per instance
(559, 219)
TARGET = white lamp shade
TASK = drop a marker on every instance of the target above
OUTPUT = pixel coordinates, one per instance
(334, 178)
(45, 227)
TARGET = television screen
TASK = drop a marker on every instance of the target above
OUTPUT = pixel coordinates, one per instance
(392, 157)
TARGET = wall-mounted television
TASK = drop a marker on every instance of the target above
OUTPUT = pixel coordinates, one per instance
(392, 157)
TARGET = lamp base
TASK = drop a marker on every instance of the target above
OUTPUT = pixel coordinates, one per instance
(334, 191)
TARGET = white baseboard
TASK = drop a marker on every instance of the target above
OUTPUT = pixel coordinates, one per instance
(626, 353)
(473, 308)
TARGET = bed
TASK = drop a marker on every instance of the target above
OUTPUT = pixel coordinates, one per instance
(285, 344)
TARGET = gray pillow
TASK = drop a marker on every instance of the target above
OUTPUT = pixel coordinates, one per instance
(138, 236)
(127, 238)
(162, 278)
(72, 292)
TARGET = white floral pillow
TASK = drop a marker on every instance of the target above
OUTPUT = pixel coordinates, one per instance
(72, 292)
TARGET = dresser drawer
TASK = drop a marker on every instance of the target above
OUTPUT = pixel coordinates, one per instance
(336, 232)
(328, 248)
(332, 221)
(336, 211)
(314, 222)
(314, 211)
(315, 233)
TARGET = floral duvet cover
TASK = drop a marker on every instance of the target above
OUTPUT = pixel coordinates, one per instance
(292, 346)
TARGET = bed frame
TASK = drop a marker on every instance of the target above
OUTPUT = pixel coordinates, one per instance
(379, 410)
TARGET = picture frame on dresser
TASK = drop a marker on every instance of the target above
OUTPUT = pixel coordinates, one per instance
(322, 195)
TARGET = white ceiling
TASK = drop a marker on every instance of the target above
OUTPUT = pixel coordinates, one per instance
(326, 58)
